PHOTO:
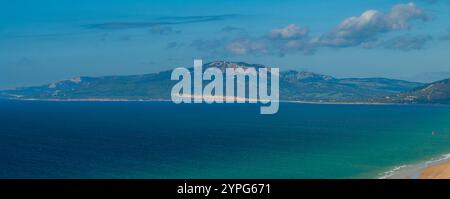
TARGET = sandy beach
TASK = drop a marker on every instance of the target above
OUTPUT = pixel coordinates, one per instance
(193, 97)
(438, 171)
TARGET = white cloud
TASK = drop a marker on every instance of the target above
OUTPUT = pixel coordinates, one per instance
(243, 46)
(364, 31)
(371, 24)
(289, 32)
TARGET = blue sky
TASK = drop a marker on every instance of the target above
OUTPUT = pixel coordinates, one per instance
(47, 40)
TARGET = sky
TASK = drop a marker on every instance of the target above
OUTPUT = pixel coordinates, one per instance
(48, 40)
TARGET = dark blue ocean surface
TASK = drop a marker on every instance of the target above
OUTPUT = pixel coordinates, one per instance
(40, 139)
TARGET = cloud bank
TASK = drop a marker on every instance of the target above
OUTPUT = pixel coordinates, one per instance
(366, 30)
(407, 42)
(368, 27)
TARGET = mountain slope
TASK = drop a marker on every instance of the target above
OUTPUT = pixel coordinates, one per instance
(294, 85)
(433, 93)
(313, 87)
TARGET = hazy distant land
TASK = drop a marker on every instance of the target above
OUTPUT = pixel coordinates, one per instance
(294, 86)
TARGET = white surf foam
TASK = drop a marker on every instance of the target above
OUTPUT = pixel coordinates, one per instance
(412, 170)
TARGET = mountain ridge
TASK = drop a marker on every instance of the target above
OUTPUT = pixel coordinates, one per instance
(432, 93)
(294, 85)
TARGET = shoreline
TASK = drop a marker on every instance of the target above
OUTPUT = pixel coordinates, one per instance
(91, 100)
(169, 100)
(435, 168)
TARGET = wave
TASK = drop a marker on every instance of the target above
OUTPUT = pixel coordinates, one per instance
(412, 170)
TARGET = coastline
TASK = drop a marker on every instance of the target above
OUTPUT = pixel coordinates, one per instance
(169, 100)
(91, 100)
(436, 168)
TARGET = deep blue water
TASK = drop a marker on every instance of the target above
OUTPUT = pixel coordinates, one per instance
(41, 139)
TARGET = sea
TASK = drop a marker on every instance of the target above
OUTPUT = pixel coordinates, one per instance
(162, 140)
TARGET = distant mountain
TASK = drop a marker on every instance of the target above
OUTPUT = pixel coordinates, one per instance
(294, 85)
(315, 87)
(433, 93)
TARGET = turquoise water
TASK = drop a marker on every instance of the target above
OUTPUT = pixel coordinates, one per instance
(162, 140)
